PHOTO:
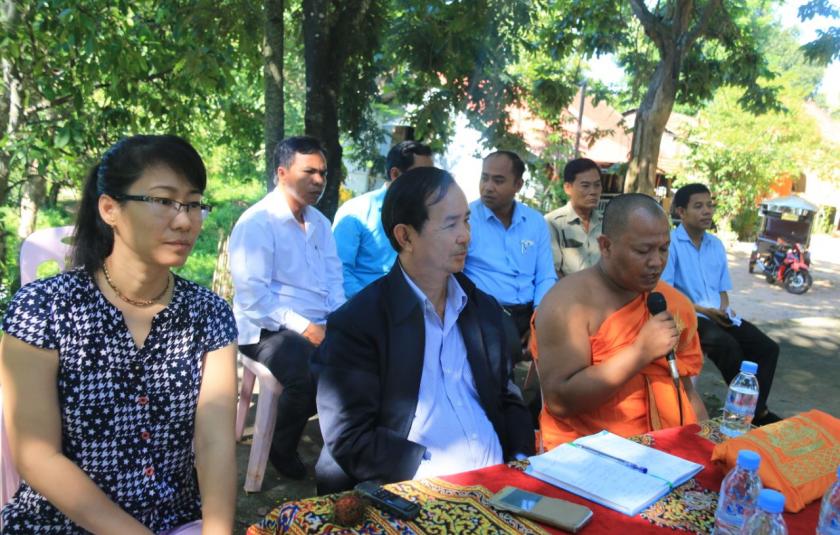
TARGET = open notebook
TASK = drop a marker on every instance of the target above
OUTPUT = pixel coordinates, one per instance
(613, 471)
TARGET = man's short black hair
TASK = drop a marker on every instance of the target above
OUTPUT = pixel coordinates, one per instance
(683, 195)
(617, 213)
(284, 152)
(577, 166)
(408, 199)
(402, 156)
(515, 160)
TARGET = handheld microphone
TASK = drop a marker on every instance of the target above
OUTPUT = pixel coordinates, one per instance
(656, 303)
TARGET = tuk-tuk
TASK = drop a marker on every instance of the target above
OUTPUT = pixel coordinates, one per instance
(785, 221)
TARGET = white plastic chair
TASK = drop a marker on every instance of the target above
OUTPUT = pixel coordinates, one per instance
(41, 246)
(270, 391)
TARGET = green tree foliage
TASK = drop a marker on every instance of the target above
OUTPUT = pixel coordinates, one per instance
(826, 47)
(91, 72)
(448, 57)
(741, 154)
(79, 75)
(675, 50)
(422, 60)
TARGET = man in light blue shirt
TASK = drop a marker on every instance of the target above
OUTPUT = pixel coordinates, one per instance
(365, 252)
(415, 374)
(697, 267)
(510, 251)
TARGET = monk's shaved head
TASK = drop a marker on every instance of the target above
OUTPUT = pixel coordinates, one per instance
(635, 241)
(618, 211)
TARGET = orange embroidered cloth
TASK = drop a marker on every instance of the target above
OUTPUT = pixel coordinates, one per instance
(799, 455)
(628, 412)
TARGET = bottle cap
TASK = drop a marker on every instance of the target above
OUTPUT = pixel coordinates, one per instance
(749, 460)
(771, 501)
(748, 366)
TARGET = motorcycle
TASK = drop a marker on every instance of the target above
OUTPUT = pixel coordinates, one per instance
(788, 265)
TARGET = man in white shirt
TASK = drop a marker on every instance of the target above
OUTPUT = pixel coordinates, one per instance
(287, 278)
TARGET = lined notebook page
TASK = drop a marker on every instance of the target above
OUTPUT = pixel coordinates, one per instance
(597, 478)
(660, 464)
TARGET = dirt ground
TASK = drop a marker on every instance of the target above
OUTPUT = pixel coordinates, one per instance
(806, 326)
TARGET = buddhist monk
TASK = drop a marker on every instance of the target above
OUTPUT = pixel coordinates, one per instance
(601, 354)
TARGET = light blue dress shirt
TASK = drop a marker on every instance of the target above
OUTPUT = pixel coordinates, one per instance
(364, 249)
(701, 274)
(514, 264)
(284, 276)
(449, 420)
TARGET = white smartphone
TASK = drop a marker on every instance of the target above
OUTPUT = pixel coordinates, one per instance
(553, 511)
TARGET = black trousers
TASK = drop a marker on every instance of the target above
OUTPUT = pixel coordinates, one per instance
(727, 347)
(520, 319)
(287, 355)
(521, 315)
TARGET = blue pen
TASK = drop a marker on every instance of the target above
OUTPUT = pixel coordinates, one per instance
(628, 464)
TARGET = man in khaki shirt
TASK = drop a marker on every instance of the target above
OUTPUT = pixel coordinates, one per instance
(575, 227)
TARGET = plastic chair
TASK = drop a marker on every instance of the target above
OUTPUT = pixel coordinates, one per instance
(41, 246)
(270, 391)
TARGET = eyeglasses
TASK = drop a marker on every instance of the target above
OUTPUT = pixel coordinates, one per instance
(163, 207)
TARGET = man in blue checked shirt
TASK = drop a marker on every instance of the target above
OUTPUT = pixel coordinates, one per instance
(364, 249)
(510, 251)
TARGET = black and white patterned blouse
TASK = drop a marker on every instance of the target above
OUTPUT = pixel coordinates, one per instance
(127, 414)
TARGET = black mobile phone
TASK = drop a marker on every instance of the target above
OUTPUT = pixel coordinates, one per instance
(553, 511)
(388, 501)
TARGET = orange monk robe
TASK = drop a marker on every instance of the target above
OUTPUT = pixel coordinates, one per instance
(647, 401)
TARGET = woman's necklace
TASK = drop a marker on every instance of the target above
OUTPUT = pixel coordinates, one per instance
(129, 300)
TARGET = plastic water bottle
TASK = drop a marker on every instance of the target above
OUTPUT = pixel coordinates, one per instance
(767, 519)
(738, 494)
(741, 399)
(830, 510)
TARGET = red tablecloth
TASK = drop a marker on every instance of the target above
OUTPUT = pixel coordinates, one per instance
(689, 507)
(458, 503)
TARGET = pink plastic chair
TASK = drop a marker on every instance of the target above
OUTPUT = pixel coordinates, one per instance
(41, 246)
(270, 391)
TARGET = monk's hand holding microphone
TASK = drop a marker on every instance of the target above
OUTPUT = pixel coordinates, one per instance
(659, 336)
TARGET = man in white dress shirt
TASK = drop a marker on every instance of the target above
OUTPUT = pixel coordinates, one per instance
(287, 278)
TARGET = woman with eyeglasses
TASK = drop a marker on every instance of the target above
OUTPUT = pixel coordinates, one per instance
(119, 377)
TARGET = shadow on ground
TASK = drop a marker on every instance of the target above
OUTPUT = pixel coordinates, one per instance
(807, 373)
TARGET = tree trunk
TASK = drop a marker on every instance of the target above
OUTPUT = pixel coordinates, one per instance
(323, 75)
(32, 197)
(52, 193)
(273, 74)
(10, 107)
(9, 98)
(651, 118)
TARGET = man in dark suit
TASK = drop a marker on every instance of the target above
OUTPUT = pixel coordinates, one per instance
(415, 372)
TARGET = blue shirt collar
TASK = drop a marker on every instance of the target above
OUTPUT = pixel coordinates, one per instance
(681, 234)
(486, 213)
